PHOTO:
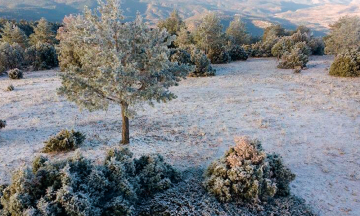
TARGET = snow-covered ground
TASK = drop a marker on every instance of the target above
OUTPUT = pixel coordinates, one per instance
(311, 119)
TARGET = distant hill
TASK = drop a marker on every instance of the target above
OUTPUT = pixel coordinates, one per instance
(257, 14)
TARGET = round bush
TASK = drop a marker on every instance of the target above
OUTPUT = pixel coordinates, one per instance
(247, 174)
(219, 56)
(10, 88)
(346, 64)
(181, 56)
(237, 53)
(11, 56)
(2, 124)
(294, 59)
(64, 141)
(15, 74)
(202, 64)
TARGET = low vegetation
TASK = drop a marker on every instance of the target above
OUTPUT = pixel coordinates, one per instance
(2, 124)
(247, 174)
(64, 141)
(15, 74)
(76, 186)
(346, 64)
(10, 88)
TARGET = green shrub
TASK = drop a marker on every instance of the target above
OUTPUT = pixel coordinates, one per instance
(298, 57)
(346, 64)
(189, 197)
(154, 174)
(218, 55)
(202, 64)
(237, 53)
(15, 74)
(285, 44)
(2, 124)
(41, 56)
(181, 56)
(317, 46)
(76, 186)
(263, 49)
(11, 56)
(10, 88)
(246, 173)
(64, 141)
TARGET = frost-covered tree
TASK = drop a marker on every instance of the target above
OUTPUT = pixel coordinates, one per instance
(120, 63)
(344, 35)
(43, 33)
(184, 38)
(173, 24)
(210, 38)
(11, 56)
(273, 31)
(237, 32)
(11, 34)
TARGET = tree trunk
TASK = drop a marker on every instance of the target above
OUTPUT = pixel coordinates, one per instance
(125, 125)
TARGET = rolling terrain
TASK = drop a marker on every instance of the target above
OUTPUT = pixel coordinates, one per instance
(257, 14)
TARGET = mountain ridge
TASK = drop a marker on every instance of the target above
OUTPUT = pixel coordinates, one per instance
(317, 14)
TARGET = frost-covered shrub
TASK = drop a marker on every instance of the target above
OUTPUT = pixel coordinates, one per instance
(181, 56)
(297, 57)
(219, 56)
(237, 52)
(154, 174)
(15, 74)
(64, 141)
(246, 173)
(10, 88)
(263, 49)
(286, 44)
(189, 197)
(2, 123)
(11, 56)
(202, 64)
(317, 46)
(76, 186)
(41, 56)
(346, 64)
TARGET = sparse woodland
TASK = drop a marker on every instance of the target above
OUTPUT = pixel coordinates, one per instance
(106, 61)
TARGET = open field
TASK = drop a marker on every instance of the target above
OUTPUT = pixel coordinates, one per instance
(311, 119)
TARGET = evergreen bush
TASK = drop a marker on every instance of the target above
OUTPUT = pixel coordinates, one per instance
(64, 141)
(346, 64)
(11, 56)
(41, 56)
(181, 56)
(297, 57)
(10, 88)
(76, 186)
(219, 56)
(237, 53)
(2, 123)
(317, 46)
(247, 174)
(15, 74)
(202, 64)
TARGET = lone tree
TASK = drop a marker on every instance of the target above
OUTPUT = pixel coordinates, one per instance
(121, 63)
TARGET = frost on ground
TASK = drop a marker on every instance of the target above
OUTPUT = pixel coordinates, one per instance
(311, 119)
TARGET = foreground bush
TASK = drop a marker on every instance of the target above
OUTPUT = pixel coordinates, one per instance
(247, 174)
(41, 56)
(2, 124)
(346, 64)
(64, 141)
(294, 59)
(76, 186)
(317, 46)
(237, 53)
(189, 197)
(15, 74)
(263, 48)
(181, 56)
(10, 88)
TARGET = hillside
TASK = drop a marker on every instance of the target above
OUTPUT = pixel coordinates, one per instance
(256, 13)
